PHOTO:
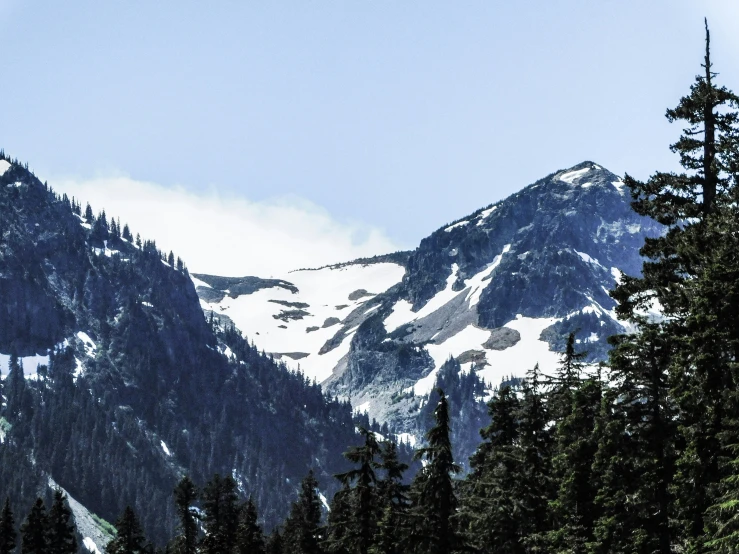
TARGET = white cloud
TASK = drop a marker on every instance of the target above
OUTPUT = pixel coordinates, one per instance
(231, 236)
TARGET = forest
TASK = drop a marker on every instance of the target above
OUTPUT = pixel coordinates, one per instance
(638, 455)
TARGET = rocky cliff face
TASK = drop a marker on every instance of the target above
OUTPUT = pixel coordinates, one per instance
(498, 290)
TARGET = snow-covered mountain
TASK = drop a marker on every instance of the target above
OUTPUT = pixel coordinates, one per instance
(499, 290)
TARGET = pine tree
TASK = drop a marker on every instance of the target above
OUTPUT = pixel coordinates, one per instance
(490, 510)
(360, 530)
(303, 533)
(7, 529)
(534, 480)
(635, 459)
(220, 514)
(688, 277)
(274, 543)
(34, 535)
(574, 403)
(249, 535)
(433, 495)
(89, 217)
(186, 494)
(393, 501)
(129, 538)
(61, 527)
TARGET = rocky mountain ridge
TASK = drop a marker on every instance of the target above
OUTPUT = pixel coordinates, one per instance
(498, 290)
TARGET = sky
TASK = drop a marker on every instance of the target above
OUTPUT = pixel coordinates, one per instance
(256, 137)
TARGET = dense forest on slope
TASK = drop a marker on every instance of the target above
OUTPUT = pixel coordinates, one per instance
(136, 388)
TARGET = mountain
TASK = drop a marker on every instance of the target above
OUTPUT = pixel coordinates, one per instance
(116, 385)
(498, 290)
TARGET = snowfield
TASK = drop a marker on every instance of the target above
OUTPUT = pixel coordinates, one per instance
(294, 327)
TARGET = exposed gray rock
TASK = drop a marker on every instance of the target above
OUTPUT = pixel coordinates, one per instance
(502, 338)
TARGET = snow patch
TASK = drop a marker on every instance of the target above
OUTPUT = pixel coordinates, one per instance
(164, 448)
(362, 408)
(485, 213)
(617, 274)
(4, 166)
(198, 283)
(324, 501)
(455, 225)
(571, 176)
(407, 438)
(90, 545)
(620, 186)
(477, 283)
(525, 354)
(29, 364)
(588, 259)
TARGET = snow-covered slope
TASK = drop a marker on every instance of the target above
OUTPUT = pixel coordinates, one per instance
(293, 318)
(499, 290)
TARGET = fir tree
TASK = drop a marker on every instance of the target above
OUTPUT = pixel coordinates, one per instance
(220, 515)
(186, 494)
(249, 535)
(689, 276)
(34, 531)
(61, 527)
(434, 499)
(7, 529)
(363, 498)
(491, 511)
(274, 543)
(129, 538)
(303, 533)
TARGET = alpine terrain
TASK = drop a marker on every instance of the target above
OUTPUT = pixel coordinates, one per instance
(499, 291)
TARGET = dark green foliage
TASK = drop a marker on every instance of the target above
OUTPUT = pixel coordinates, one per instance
(185, 496)
(360, 497)
(34, 531)
(274, 543)
(130, 537)
(220, 515)
(8, 534)
(491, 515)
(303, 531)
(434, 500)
(61, 527)
(249, 535)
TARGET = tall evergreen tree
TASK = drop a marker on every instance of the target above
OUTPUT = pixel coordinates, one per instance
(393, 501)
(34, 531)
(574, 403)
(61, 527)
(8, 535)
(690, 284)
(129, 538)
(534, 474)
(220, 514)
(303, 532)
(361, 483)
(434, 499)
(491, 513)
(249, 535)
(186, 494)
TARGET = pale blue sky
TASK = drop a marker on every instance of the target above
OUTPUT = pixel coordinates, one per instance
(402, 115)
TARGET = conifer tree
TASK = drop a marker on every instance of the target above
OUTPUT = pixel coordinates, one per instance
(220, 514)
(303, 533)
(249, 535)
(574, 403)
(687, 278)
(34, 531)
(61, 527)
(491, 510)
(433, 495)
(7, 529)
(186, 494)
(274, 543)
(393, 500)
(363, 494)
(129, 538)
(534, 474)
